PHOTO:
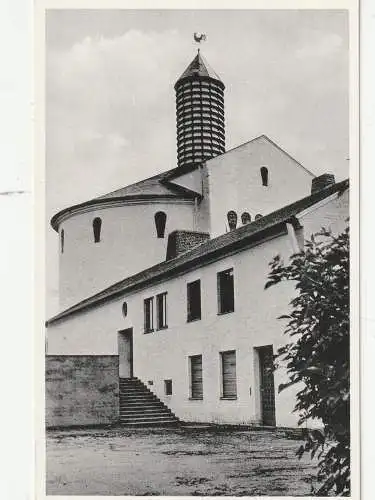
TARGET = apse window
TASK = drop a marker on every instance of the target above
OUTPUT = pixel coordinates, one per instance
(160, 221)
(194, 300)
(245, 218)
(264, 175)
(125, 309)
(225, 291)
(232, 219)
(168, 387)
(97, 226)
(161, 310)
(149, 315)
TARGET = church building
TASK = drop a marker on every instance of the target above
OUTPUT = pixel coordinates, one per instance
(164, 316)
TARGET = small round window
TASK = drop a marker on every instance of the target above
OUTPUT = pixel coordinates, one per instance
(125, 309)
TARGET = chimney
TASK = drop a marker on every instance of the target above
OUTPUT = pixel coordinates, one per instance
(321, 182)
(180, 242)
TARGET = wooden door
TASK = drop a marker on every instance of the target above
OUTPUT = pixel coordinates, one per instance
(267, 385)
(125, 351)
(229, 386)
(196, 377)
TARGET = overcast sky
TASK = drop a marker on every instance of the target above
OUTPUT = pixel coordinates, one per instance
(110, 102)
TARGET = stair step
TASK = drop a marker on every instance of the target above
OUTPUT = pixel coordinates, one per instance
(144, 418)
(144, 408)
(139, 406)
(150, 424)
(150, 412)
(149, 417)
(140, 399)
(133, 391)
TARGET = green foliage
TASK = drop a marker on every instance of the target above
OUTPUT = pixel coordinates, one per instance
(318, 352)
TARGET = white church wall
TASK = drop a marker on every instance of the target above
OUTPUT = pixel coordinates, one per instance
(127, 245)
(235, 182)
(164, 354)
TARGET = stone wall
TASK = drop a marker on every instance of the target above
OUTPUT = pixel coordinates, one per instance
(81, 390)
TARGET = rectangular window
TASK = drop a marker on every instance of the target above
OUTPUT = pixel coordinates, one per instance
(225, 291)
(196, 377)
(149, 314)
(168, 387)
(228, 373)
(194, 300)
(161, 310)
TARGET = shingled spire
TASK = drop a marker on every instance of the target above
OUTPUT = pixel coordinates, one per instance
(200, 113)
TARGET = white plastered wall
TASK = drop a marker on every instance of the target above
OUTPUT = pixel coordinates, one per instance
(128, 244)
(234, 182)
(165, 354)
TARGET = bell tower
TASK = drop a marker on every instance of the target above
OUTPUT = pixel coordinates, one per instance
(199, 113)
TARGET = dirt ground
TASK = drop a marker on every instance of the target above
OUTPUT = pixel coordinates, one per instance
(190, 461)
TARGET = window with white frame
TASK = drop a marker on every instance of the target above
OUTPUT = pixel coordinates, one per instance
(161, 310)
(225, 291)
(148, 315)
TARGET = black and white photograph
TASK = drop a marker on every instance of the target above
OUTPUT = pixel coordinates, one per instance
(199, 312)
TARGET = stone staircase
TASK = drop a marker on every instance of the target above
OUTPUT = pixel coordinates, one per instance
(140, 407)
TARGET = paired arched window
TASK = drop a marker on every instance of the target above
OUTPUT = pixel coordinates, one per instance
(264, 175)
(160, 221)
(258, 216)
(232, 219)
(62, 240)
(97, 226)
(245, 218)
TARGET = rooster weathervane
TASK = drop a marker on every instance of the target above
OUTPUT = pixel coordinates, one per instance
(199, 37)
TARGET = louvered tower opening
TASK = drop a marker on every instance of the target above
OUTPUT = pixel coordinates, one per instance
(200, 114)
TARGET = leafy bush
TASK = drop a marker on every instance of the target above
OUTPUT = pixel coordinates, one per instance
(318, 352)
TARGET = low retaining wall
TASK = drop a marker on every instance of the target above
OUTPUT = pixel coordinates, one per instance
(81, 390)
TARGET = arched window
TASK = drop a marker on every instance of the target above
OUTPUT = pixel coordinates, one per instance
(125, 309)
(258, 216)
(62, 240)
(97, 226)
(264, 174)
(245, 218)
(232, 219)
(160, 221)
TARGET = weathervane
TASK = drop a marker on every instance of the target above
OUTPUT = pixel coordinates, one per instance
(200, 37)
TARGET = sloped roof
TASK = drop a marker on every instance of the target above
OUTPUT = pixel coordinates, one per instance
(199, 67)
(159, 185)
(209, 251)
(153, 185)
(147, 189)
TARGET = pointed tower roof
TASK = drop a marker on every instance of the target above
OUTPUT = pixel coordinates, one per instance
(199, 68)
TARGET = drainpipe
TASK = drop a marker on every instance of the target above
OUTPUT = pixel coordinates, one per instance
(292, 237)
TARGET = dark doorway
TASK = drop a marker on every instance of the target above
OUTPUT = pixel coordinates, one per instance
(125, 353)
(267, 385)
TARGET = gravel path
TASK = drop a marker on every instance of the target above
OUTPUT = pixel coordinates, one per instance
(176, 462)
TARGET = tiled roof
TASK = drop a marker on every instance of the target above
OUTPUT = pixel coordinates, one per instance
(159, 185)
(153, 187)
(206, 252)
(199, 67)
